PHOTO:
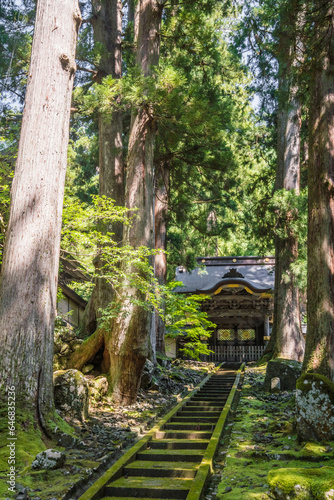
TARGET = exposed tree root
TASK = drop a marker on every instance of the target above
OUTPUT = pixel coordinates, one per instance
(87, 350)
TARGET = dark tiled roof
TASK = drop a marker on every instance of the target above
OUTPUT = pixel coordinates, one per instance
(71, 270)
(256, 272)
(71, 294)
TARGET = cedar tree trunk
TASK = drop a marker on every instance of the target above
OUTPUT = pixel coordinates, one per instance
(31, 257)
(107, 26)
(319, 353)
(160, 260)
(287, 340)
(128, 342)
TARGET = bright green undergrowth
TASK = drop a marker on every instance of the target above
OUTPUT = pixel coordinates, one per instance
(28, 443)
(264, 453)
(303, 483)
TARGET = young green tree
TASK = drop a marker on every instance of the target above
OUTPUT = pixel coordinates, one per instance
(31, 257)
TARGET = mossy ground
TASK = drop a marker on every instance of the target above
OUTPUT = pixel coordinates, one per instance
(81, 461)
(263, 451)
(29, 442)
(301, 483)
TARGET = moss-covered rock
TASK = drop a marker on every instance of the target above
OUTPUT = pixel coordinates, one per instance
(147, 374)
(71, 393)
(302, 483)
(49, 459)
(98, 387)
(286, 370)
(315, 408)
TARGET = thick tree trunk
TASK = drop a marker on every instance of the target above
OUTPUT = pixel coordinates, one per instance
(31, 257)
(133, 16)
(129, 336)
(160, 260)
(107, 25)
(319, 353)
(287, 340)
(287, 324)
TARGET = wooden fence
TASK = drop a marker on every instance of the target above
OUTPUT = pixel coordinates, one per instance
(234, 353)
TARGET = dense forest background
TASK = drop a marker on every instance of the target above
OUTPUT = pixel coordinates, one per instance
(217, 138)
(196, 128)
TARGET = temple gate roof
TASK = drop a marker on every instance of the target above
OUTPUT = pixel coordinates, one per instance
(255, 274)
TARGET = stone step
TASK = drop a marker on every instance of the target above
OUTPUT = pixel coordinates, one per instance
(167, 488)
(179, 444)
(214, 391)
(198, 414)
(171, 455)
(198, 407)
(145, 468)
(183, 434)
(205, 399)
(204, 404)
(192, 418)
(187, 426)
(128, 498)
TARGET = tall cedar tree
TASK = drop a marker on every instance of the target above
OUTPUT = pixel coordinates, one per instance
(319, 352)
(126, 339)
(287, 340)
(161, 191)
(31, 257)
(128, 344)
(107, 27)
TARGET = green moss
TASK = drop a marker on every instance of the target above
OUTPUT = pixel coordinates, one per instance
(57, 425)
(249, 459)
(162, 356)
(28, 444)
(285, 361)
(302, 482)
(53, 483)
(264, 360)
(313, 449)
(309, 380)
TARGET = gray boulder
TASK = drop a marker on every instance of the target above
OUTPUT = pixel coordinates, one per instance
(49, 459)
(315, 408)
(286, 370)
(71, 394)
(147, 374)
(65, 440)
(98, 387)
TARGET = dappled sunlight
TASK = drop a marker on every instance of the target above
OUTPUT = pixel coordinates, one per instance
(263, 440)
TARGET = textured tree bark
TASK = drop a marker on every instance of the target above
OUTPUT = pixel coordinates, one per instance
(160, 260)
(129, 335)
(107, 25)
(287, 340)
(31, 256)
(319, 353)
(133, 16)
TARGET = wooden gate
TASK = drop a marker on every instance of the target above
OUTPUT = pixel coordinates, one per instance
(234, 353)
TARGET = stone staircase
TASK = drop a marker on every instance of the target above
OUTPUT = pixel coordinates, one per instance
(170, 463)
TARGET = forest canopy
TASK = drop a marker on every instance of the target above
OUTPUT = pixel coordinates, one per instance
(150, 133)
